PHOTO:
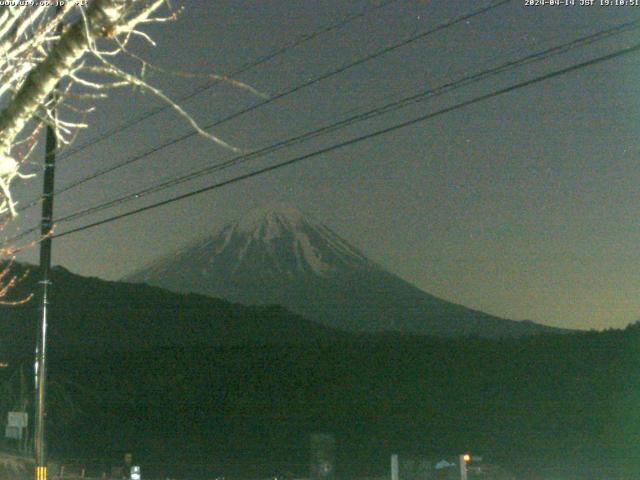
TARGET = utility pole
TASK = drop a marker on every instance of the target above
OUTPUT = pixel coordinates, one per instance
(45, 267)
(45, 282)
(46, 226)
(24, 444)
(395, 467)
(463, 460)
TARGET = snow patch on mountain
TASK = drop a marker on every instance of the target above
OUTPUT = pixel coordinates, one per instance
(279, 227)
(347, 252)
(274, 240)
(269, 222)
(310, 255)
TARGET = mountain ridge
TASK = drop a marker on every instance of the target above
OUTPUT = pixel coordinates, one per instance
(91, 314)
(279, 255)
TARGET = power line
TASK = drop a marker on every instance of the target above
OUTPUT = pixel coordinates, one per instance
(590, 38)
(390, 107)
(377, 133)
(283, 94)
(238, 71)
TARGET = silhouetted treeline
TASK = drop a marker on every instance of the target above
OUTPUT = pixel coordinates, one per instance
(566, 404)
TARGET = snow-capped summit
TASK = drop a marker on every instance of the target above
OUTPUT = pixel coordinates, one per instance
(278, 255)
(271, 220)
(285, 229)
(276, 239)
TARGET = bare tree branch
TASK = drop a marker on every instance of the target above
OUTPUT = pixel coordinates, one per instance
(102, 17)
(42, 67)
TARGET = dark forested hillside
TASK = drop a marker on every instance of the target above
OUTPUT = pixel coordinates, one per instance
(565, 404)
(222, 388)
(90, 315)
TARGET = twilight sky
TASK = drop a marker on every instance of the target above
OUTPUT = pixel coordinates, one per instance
(525, 206)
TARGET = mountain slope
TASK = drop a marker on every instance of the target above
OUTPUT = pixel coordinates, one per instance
(277, 255)
(89, 314)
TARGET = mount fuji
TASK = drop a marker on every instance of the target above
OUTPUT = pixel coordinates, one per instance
(278, 255)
